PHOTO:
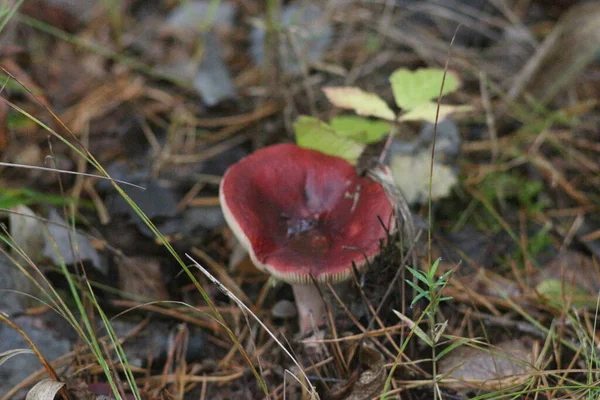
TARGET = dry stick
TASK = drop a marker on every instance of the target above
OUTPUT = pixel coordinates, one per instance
(173, 313)
(313, 366)
(336, 348)
(351, 338)
(533, 64)
(489, 115)
(267, 109)
(312, 99)
(222, 274)
(232, 296)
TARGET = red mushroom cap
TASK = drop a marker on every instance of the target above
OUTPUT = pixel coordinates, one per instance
(302, 213)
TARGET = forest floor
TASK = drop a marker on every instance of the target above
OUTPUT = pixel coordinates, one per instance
(99, 293)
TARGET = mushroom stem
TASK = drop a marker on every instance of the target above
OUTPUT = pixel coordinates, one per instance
(310, 305)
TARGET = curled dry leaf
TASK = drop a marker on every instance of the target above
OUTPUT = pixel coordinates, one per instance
(371, 381)
(364, 103)
(44, 390)
(366, 381)
(495, 368)
(7, 355)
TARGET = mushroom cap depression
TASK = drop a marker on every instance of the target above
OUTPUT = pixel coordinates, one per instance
(301, 213)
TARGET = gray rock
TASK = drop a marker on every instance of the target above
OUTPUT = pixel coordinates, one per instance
(20, 367)
(311, 33)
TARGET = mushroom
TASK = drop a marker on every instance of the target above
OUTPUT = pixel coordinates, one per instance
(305, 217)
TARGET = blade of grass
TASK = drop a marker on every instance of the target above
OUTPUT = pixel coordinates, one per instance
(7, 14)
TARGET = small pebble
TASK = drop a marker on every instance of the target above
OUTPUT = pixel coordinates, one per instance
(284, 309)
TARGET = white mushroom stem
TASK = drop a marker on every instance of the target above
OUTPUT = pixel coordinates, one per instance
(310, 305)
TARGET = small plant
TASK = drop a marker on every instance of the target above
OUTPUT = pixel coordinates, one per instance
(430, 290)
(346, 136)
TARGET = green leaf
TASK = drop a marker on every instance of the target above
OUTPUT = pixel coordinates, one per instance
(363, 103)
(560, 294)
(414, 327)
(427, 112)
(417, 288)
(419, 275)
(315, 134)
(435, 265)
(420, 296)
(360, 129)
(13, 197)
(452, 346)
(412, 88)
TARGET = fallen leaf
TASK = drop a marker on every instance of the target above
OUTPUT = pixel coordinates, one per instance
(360, 129)
(315, 134)
(572, 278)
(371, 380)
(211, 77)
(68, 246)
(44, 390)
(562, 294)
(428, 111)
(411, 175)
(413, 88)
(495, 368)
(364, 103)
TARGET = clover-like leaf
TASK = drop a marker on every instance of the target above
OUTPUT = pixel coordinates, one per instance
(360, 129)
(412, 88)
(315, 134)
(363, 103)
(427, 112)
